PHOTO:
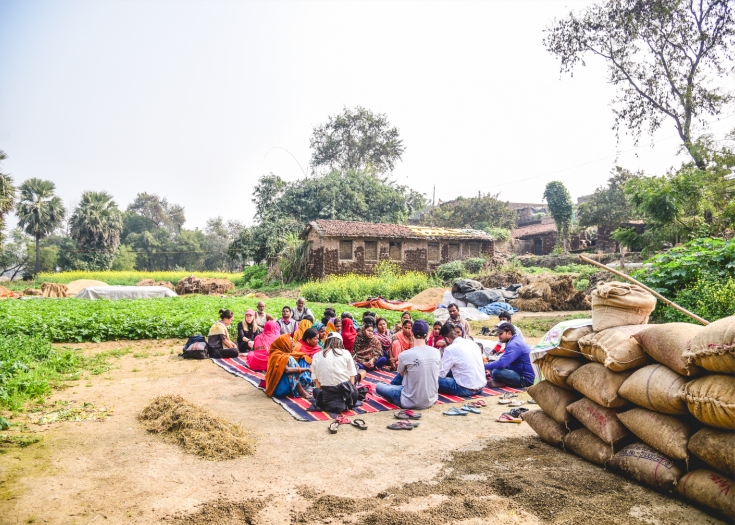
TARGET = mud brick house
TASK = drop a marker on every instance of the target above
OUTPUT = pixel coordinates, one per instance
(337, 247)
(540, 238)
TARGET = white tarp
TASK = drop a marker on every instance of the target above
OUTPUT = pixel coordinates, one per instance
(469, 314)
(114, 293)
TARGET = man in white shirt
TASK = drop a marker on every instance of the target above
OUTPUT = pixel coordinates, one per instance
(462, 372)
(301, 311)
(261, 317)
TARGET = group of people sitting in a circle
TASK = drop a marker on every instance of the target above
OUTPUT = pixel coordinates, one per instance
(326, 360)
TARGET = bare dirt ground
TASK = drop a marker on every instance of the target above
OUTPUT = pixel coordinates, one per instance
(467, 470)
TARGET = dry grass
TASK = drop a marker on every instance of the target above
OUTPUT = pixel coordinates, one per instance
(550, 292)
(196, 429)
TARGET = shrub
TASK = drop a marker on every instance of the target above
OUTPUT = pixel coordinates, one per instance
(450, 271)
(581, 284)
(254, 276)
(710, 298)
(474, 265)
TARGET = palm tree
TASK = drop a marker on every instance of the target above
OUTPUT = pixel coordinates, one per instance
(7, 196)
(97, 222)
(39, 211)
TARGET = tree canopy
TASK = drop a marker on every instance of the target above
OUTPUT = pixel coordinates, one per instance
(7, 197)
(667, 59)
(609, 206)
(561, 209)
(40, 211)
(96, 225)
(483, 212)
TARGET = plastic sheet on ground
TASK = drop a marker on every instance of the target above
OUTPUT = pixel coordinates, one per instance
(497, 308)
(398, 306)
(469, 314)
(115, 293)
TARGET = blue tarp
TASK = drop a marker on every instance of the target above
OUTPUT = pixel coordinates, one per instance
(497, 308)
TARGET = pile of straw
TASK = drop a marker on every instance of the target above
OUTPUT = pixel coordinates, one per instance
(196, 429)
(548, 293)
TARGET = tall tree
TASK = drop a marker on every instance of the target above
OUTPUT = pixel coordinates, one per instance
(160, 211)
(481, 212)
(609, 206)
(562, 210)
(356, 139)
(7, 197)
(40, 211)
(665, 58)
(96, 225)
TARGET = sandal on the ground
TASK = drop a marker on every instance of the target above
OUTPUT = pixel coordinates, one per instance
(343, 420)
(333, 427)
(516, 403)
(454, 411)
(505, 418)
(468, 408)
(478, 403)
(508, 395)
(503, 401)
(407, 414)
(359, 423)
(531, 402)
(402, 425)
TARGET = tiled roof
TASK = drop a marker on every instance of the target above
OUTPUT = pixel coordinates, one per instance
(534, 229)
(328, 228)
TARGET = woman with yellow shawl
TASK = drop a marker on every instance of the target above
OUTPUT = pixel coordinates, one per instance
(303, 327)
(288, 370)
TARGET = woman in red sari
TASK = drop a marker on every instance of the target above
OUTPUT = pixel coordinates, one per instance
(258, 359)
(348, 334)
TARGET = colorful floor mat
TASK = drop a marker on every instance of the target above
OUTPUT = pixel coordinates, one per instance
(373, 403)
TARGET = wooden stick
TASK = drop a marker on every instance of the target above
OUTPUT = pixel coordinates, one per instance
(628, 277)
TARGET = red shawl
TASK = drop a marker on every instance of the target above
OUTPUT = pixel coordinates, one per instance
(348, 334)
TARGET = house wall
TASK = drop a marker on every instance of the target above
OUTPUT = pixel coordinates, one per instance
(324, 255)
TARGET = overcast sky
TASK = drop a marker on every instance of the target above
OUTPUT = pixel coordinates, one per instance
(193, 100)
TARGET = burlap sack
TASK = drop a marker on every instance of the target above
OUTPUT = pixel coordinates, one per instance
(569, 346)
(666, 343)
(602, 422)
(547, 429)
(709, 488)
(553, 400)
(620, 304)
(599, 384)
(647, 466)
(713, 347)
(587, 445)
(712, 400)
(715, 447)
(666, 434)
(616, 348)
(655, 387)
(557, 369)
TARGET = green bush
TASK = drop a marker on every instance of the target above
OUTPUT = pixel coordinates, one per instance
(474, 265)
(451, 271)
(581, 284)
(711, 299)
(254, 276)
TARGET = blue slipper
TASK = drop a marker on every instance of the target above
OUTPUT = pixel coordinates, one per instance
(454, 411)
(468, 408)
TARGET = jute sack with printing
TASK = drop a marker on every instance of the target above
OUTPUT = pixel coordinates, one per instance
(667, 434)
(709, 488)
(556, 369)
(655, 387)
(599, 384)
(569, 345)
(545, 426)
(616, 348)
(588, 446)
(553, 400)
(667, 343)
(713, 348)
(647, 466)
(620, 304)
(601, 421)
(711, 399)
(715, 447)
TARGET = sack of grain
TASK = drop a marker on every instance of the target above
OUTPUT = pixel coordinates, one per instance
(545, 426)
(553, 400)
(715, 447)
(712, 400)
(599, 384)
(713, 347)
(647, 466)
(655, 387)
(569, 346)
(602, 421)
(557, 369)
(620, 304)
(666, 343)
(54, 290)
(615, 348)
(667, 434)
(587, 445)
(709, 488)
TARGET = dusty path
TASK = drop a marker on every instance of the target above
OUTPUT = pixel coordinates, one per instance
(114, 472)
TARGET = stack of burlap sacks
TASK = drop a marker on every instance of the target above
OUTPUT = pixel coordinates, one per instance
(654, 402)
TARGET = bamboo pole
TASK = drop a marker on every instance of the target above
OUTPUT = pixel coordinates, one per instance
(629, 278)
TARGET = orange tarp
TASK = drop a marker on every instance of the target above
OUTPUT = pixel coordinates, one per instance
(400, 306)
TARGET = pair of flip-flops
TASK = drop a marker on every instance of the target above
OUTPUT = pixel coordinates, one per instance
(407, 414)
(403, 425)
(462, 411)
(512, 416)
(511, 403)
(334, 425)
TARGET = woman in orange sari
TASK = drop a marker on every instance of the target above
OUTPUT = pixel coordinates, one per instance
(402, 341)
(288, 370)
(303, 326)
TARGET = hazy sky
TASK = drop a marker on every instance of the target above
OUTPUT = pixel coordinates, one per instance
(193, 99)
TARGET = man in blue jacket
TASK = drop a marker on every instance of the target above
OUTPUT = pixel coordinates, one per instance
(514, 368)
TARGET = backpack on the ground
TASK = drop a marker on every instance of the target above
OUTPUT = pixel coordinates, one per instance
(196, 348)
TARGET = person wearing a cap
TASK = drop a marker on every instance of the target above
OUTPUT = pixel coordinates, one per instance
(514, 368)
(416, 384)
(507, 318)
(461, 372)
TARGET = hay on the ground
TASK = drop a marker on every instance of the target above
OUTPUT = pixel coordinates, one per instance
(194, 284)
(550, 292)
(151, 282)
(55, 290)
(501, 279)
(32, 291)
(429, 296)
(536, 290)
(77, 286)
(531, 305)
(261, 295)
(196, 429)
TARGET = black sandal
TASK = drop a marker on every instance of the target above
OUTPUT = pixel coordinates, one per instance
(333, 427)
(359, 423)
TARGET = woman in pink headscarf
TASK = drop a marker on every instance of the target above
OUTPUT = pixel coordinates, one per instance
(258, 359)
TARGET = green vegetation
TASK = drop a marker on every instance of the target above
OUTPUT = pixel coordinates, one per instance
(254, 276)
(387, 282)
(711, 299)
(132, 278)
(77, 320)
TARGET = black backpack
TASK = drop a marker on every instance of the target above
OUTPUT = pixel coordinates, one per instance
(196, 348)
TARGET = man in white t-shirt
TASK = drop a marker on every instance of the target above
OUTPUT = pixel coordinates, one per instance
(462, 372)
